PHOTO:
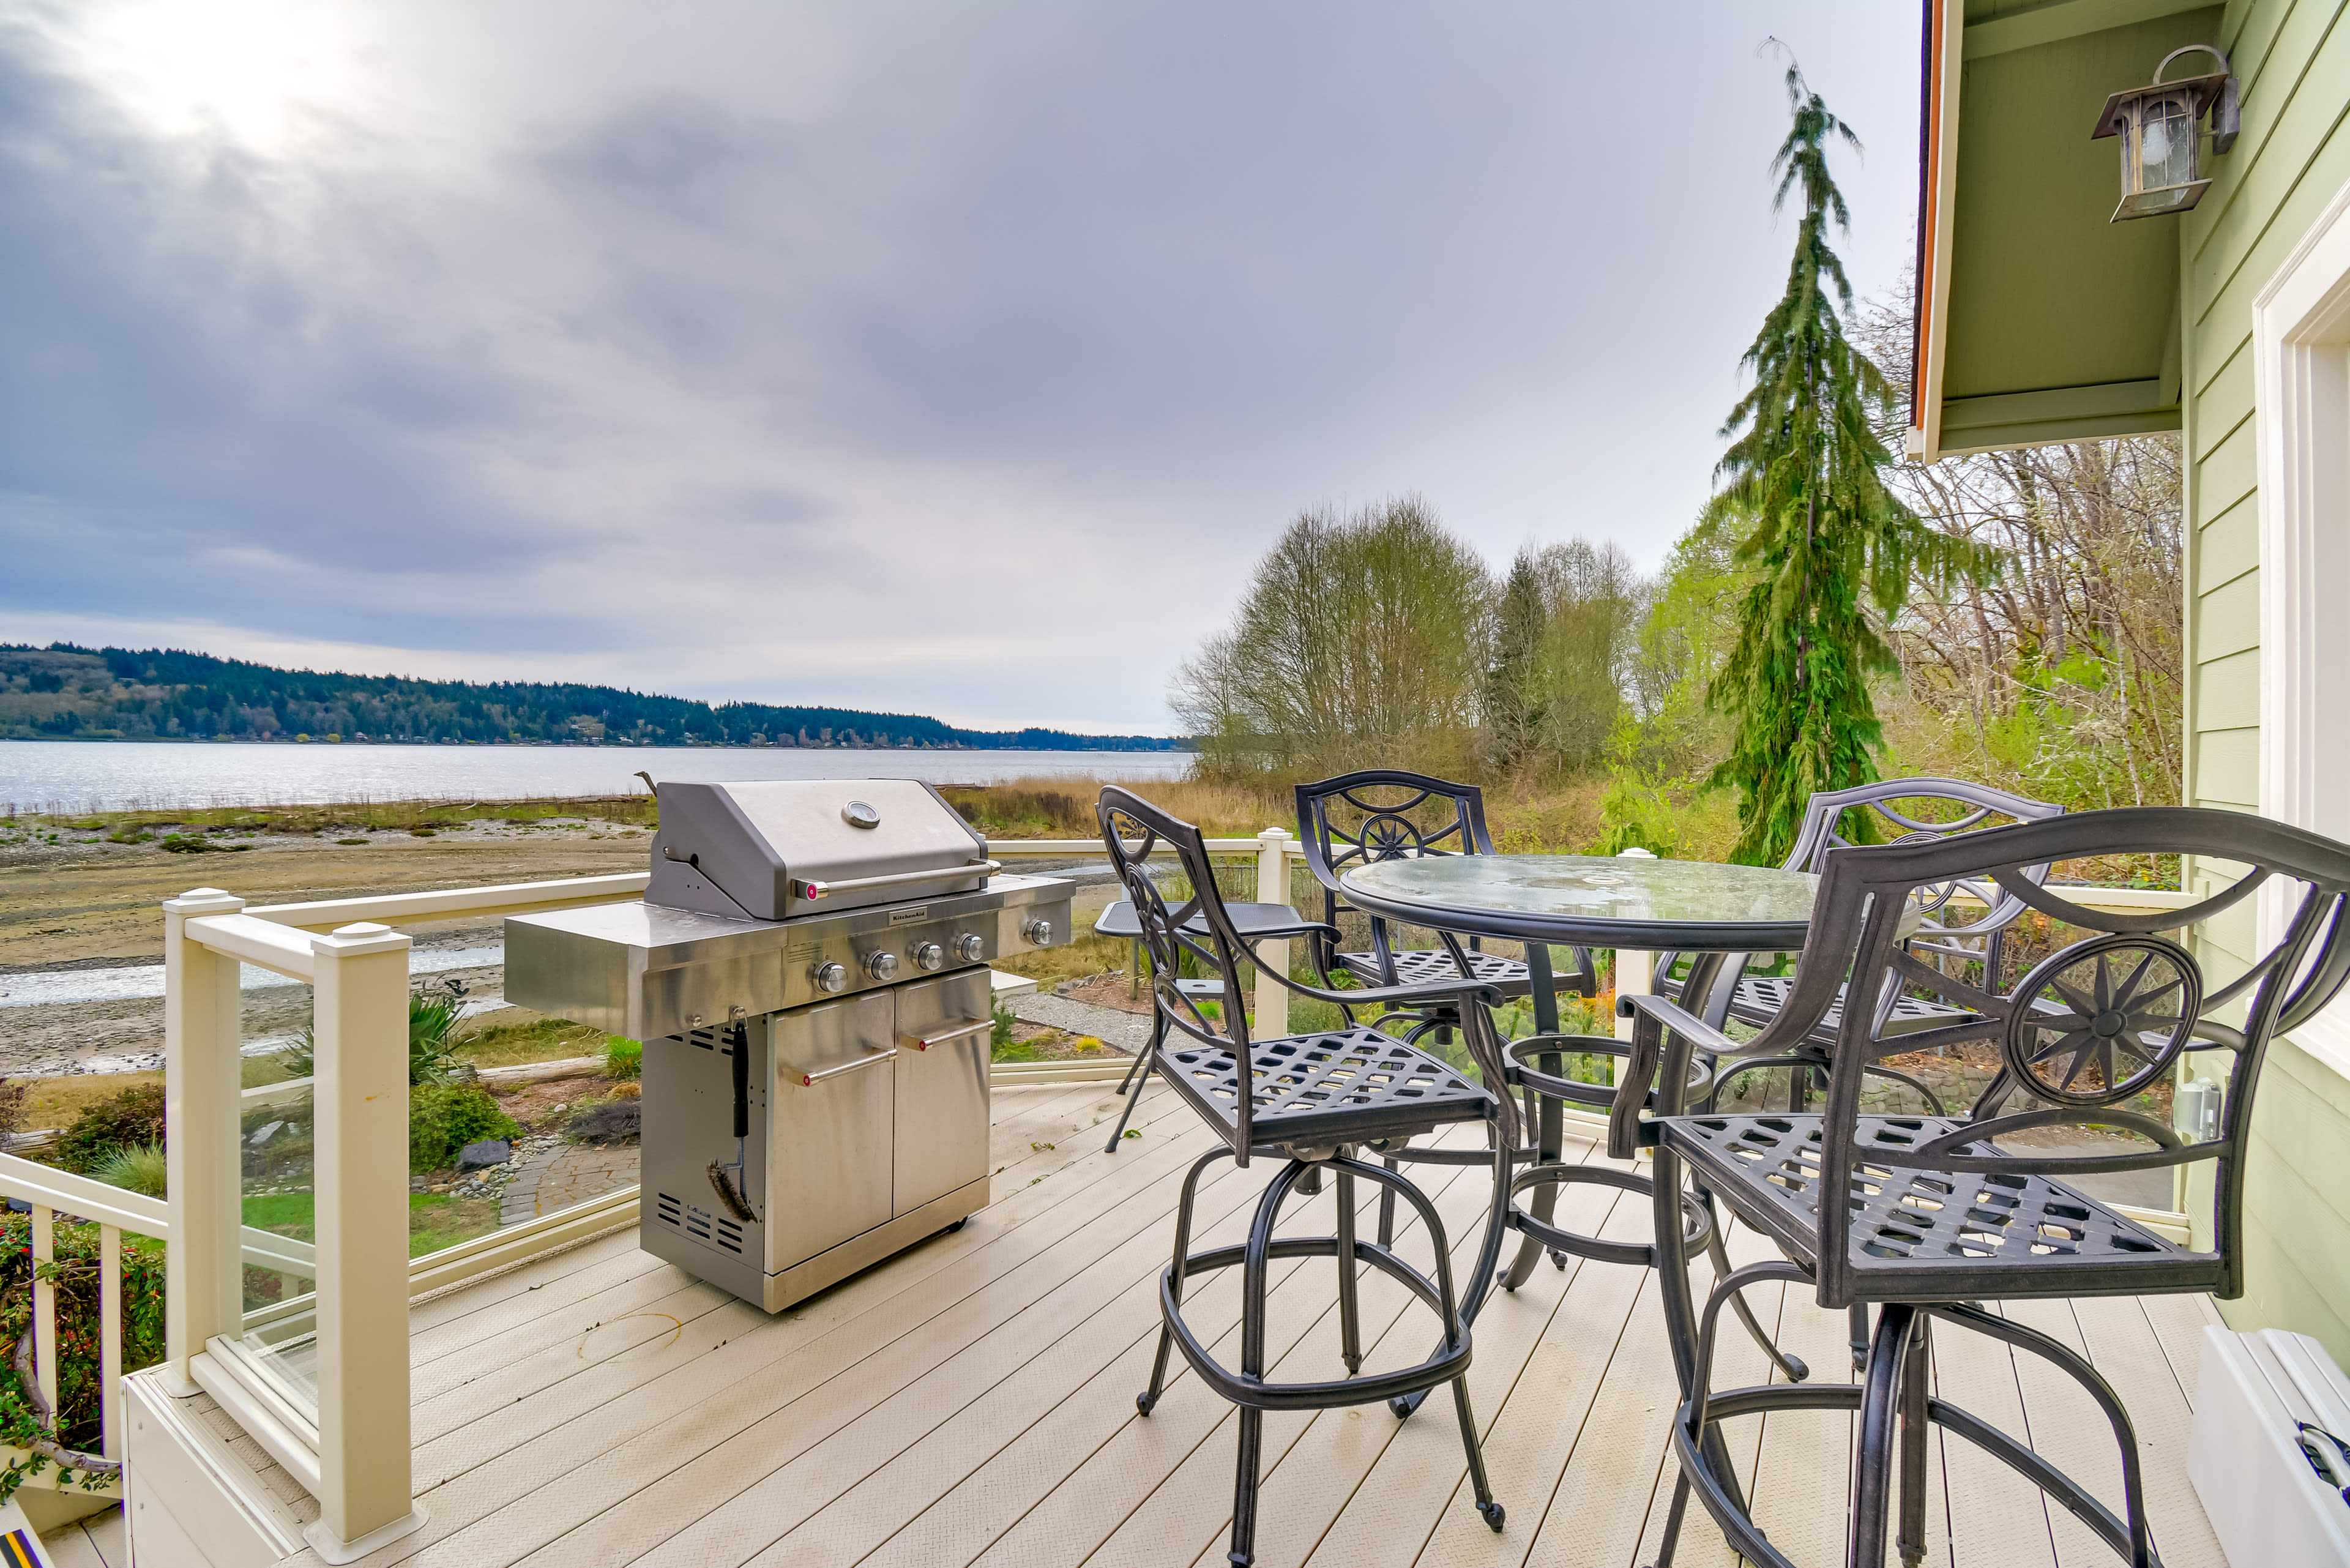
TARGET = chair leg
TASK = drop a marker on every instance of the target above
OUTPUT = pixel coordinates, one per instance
(1254, 1255)
(1671, 1540)
(1117, 1133)
(1149, 1397)
(1491, 1511)
(1350, 1331)
(1911, 1539)
(1873, 1455)
(2128, 1534)
(1857, 1334)
(1790, 1366)
(1245, 1479)
(1139, 1064)
(1386, 1209)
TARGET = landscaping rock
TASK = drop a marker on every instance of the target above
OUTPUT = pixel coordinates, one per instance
(488, 1152)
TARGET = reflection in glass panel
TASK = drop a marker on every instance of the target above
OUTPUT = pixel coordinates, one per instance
(275, 1189)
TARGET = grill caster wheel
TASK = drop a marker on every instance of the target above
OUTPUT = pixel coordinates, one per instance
(1143, 1402)
(956, 1226)
(1494, 1513)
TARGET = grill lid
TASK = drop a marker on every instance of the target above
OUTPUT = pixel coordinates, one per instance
(772, 850)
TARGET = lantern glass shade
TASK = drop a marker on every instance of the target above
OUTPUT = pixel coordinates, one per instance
(2161, 146)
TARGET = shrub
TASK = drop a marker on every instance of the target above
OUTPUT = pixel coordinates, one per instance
(138, 1167)
(444, 1117)
(432, 1053)
(1000, 1035)
(75, 1273)
(431, 1028)
(623, 1058)
(130, 1120)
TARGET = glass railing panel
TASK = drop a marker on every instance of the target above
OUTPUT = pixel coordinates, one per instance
(276, 1185)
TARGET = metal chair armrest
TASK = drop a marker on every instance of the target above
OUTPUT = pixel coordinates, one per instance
(1671, 1015)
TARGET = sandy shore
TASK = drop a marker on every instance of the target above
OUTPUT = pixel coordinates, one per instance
(87, 903)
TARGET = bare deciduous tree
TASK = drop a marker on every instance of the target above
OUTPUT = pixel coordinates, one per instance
(2062, 678)
(1359, 642)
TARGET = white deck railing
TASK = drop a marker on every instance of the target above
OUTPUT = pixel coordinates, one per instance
(346, 1433)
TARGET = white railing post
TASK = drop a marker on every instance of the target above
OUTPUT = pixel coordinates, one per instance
(45, 1313)
(109, 1341)
(1635, 976)
(361, 1183)
(203, 1022)
(1272, 957)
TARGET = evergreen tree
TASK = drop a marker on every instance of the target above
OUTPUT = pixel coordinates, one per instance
(1802, 479)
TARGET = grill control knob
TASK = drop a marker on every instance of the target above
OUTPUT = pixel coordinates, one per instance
(830, 978)
(929, 955)
(880, 965)
(1039, 932)
(970, 947)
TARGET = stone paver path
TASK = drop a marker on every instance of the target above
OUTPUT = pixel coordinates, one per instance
(570, 1173)
(1129, 1032)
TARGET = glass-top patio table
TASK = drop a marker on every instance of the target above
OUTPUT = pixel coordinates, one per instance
(1623, 902)
(1588, 900)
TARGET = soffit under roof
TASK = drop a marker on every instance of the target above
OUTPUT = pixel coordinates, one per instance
(2054, 323)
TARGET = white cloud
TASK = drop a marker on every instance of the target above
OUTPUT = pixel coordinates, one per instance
(938, 358)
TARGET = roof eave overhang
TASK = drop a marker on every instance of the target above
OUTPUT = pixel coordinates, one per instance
(1941, 427)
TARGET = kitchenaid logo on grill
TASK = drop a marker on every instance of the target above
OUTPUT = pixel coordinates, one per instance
(907, 917)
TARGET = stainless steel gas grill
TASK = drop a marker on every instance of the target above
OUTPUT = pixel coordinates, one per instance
(808, 972)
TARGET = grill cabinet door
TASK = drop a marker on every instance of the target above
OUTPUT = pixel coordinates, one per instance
(942, 1104)
(828, 1146)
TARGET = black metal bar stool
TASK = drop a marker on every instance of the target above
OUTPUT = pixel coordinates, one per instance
(1256, 922)
(1385, 813)
(1927, 1218)
(1311, 1100)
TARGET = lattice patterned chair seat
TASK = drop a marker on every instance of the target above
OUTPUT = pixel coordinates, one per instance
(1761, 999)
(1419, 966)
(1938, 1227)
(1351, 1086)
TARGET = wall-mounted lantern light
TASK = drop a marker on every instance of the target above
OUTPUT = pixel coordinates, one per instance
(2162, 167)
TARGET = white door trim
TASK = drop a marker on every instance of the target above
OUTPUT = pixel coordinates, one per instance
(2300, 363)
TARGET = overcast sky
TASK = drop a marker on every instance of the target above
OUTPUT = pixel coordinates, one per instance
(956, 358)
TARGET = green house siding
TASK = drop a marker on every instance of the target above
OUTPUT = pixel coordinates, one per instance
(2291, 59)
(2058, 325)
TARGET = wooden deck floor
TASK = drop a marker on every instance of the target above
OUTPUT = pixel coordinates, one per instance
(972, 1402)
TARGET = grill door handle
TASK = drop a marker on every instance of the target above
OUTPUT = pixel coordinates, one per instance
(810, 1080)
(896, 879)
(961, 1031)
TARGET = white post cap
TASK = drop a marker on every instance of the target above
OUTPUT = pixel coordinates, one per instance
(366, 936)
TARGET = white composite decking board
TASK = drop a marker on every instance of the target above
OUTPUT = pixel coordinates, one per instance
(1042, 1241)
(1188, 1509)
(506, 1425)
(854, 1524)
(970, 1401)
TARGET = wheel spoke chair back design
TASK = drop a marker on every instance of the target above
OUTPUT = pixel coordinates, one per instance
(1315, 1099)
(1385, 813)
(1927, 1218)
(1959, 924)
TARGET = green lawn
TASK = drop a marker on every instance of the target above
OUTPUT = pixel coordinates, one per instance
(435, 1219)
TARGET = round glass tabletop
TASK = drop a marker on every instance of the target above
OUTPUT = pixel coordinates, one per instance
(1594, 900)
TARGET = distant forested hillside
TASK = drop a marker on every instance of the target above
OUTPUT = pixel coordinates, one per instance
(66, 692)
